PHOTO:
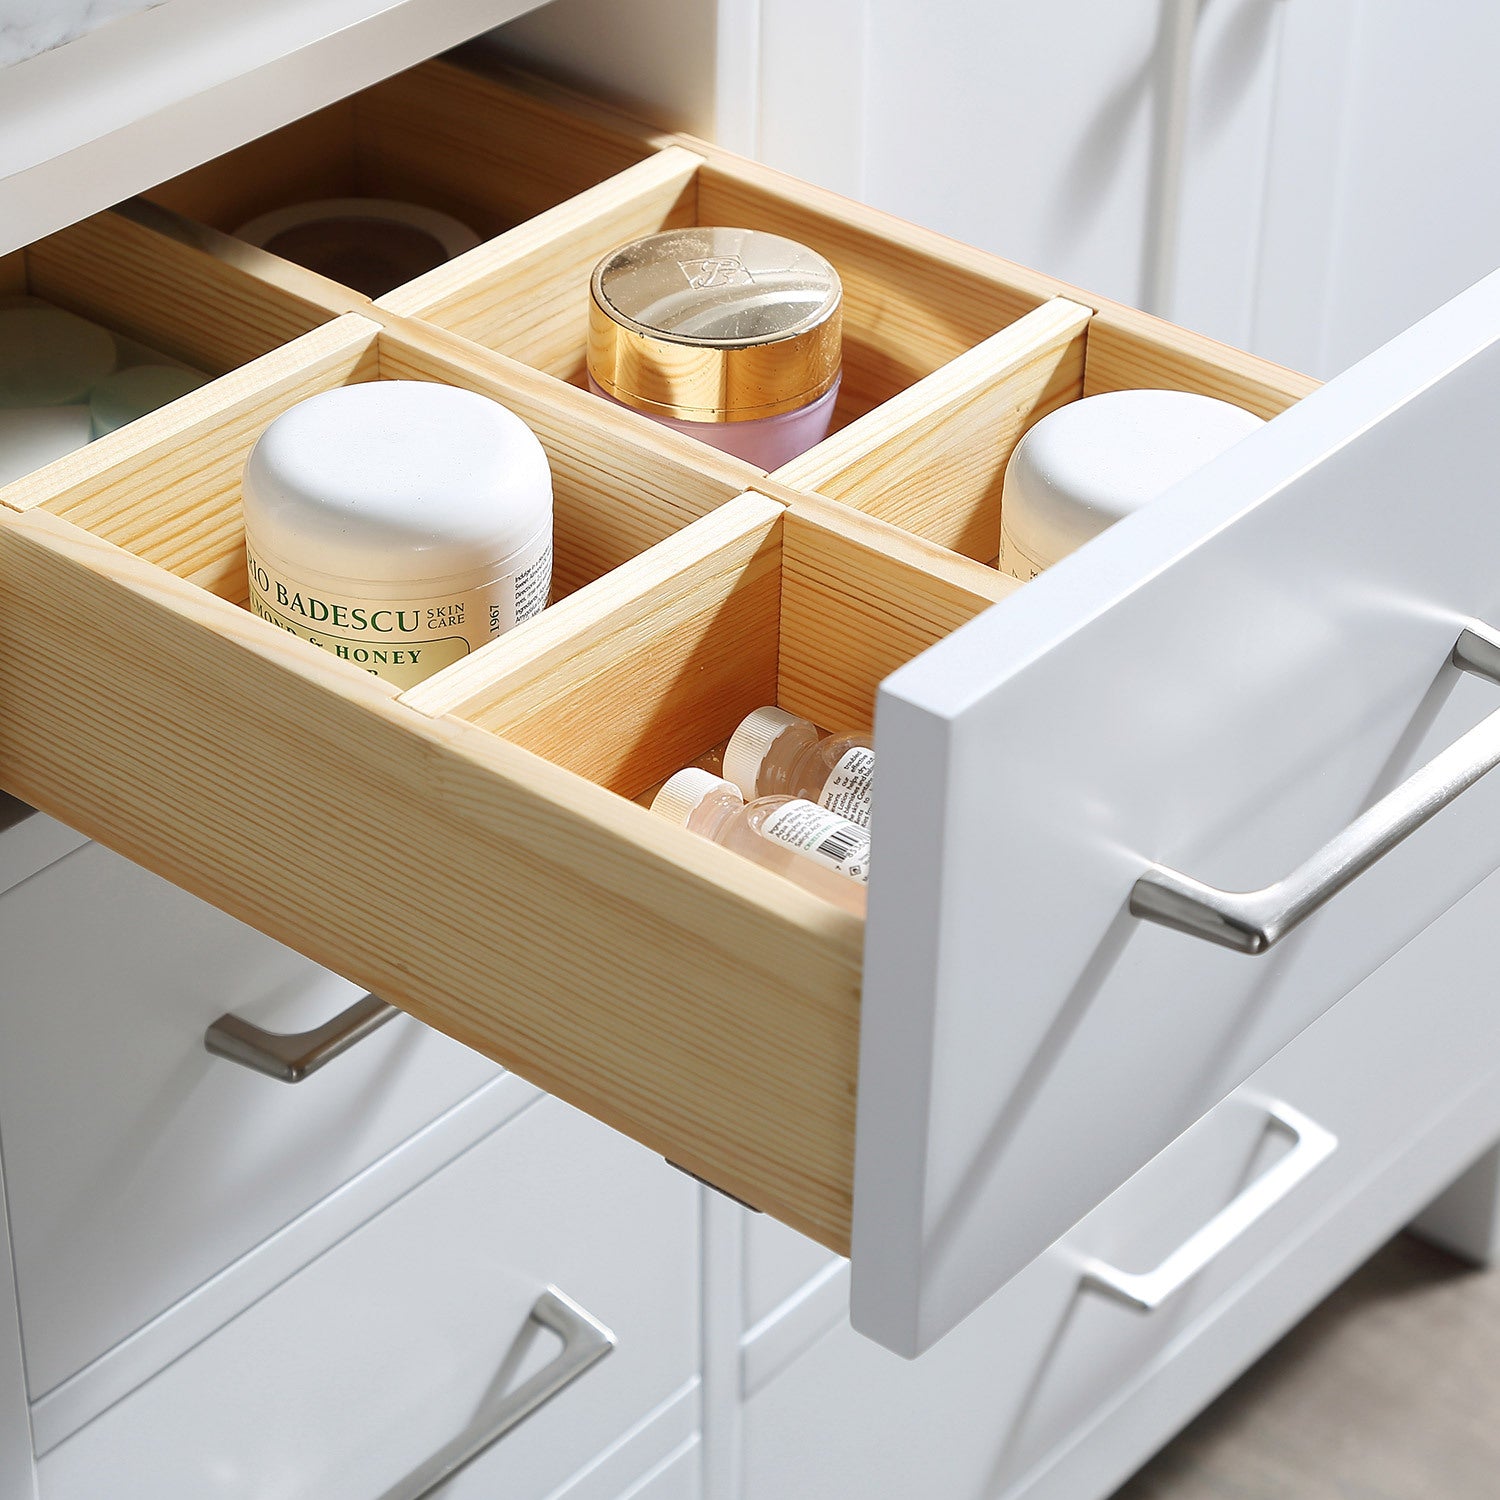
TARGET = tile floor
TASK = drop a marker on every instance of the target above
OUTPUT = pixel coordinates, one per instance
(1390, 1390)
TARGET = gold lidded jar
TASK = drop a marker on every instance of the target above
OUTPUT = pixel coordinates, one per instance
(732, 335)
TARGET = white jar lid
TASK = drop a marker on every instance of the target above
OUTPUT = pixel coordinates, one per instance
(395, 481)
(682, 793)
(750, 744)
(1087, 464)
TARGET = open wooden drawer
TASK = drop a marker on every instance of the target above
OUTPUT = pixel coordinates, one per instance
(1221, 683)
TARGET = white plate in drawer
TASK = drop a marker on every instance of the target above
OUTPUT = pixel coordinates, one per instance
(1220, 684)
(404, 1341)
(137, 1165)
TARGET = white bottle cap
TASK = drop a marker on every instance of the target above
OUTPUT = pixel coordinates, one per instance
(1090, 462)
(750, 744)
(685, 791)
(394, 481)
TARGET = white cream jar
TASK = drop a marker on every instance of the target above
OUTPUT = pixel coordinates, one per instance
(398, 524)
(1093, 461)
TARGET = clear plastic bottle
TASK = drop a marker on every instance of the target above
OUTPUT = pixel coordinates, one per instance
(777, 754)
(819, 850)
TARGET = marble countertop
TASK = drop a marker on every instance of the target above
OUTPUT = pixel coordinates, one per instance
(28, 27)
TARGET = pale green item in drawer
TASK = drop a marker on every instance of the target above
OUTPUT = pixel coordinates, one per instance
(49, 357)
(128, 394)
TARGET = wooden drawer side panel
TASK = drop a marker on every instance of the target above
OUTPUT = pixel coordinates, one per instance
(489, 154)
(1128, 350)
(680, 994)
(311, 158)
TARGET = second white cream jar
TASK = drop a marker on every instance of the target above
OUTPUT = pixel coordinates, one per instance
(398, 524)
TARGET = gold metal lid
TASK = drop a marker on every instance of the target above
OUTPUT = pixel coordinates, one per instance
(715, 325)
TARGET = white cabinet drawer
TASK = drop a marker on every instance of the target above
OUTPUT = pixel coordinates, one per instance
(354, 1378)
(1049, 1358)
(1219, 685)
(137, 1166)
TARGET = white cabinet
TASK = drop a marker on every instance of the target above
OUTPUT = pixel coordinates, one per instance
(1023, 129)
(1333, 156)
(369, 1370)
(138, 1166)
(1074, 787)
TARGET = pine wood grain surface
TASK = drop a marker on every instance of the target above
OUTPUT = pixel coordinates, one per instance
(1390, 1390)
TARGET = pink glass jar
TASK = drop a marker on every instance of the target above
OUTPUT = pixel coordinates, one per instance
(732, 336)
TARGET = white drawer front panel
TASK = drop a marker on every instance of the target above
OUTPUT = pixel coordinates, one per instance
(403, 1340)
(1046, 1358)
(136, 1164)
(1221, 684)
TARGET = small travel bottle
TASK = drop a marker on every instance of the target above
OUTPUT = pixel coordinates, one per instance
(820, 851)
(732, 336)
(777, 754)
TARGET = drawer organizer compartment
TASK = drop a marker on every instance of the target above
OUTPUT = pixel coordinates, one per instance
(175, 500)
(932, 459)
(906, 312)
(470, 849)
(491, 151)
(159, 292)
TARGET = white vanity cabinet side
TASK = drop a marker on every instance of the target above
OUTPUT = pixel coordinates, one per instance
(1379, 203)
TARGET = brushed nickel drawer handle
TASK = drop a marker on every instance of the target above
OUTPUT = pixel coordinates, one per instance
(290, 1056)
(585, 1342)
(1252, 921)
(1145, 1291)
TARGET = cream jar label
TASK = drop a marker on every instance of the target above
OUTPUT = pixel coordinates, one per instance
(1015, 560)
(403, 640)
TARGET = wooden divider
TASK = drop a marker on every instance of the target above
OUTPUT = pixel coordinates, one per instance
(169, 296)
(526, 294)
(1129, 349)
(932, 459)
(636, 675)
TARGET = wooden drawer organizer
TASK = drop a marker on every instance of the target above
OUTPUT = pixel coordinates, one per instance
(469, 848)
